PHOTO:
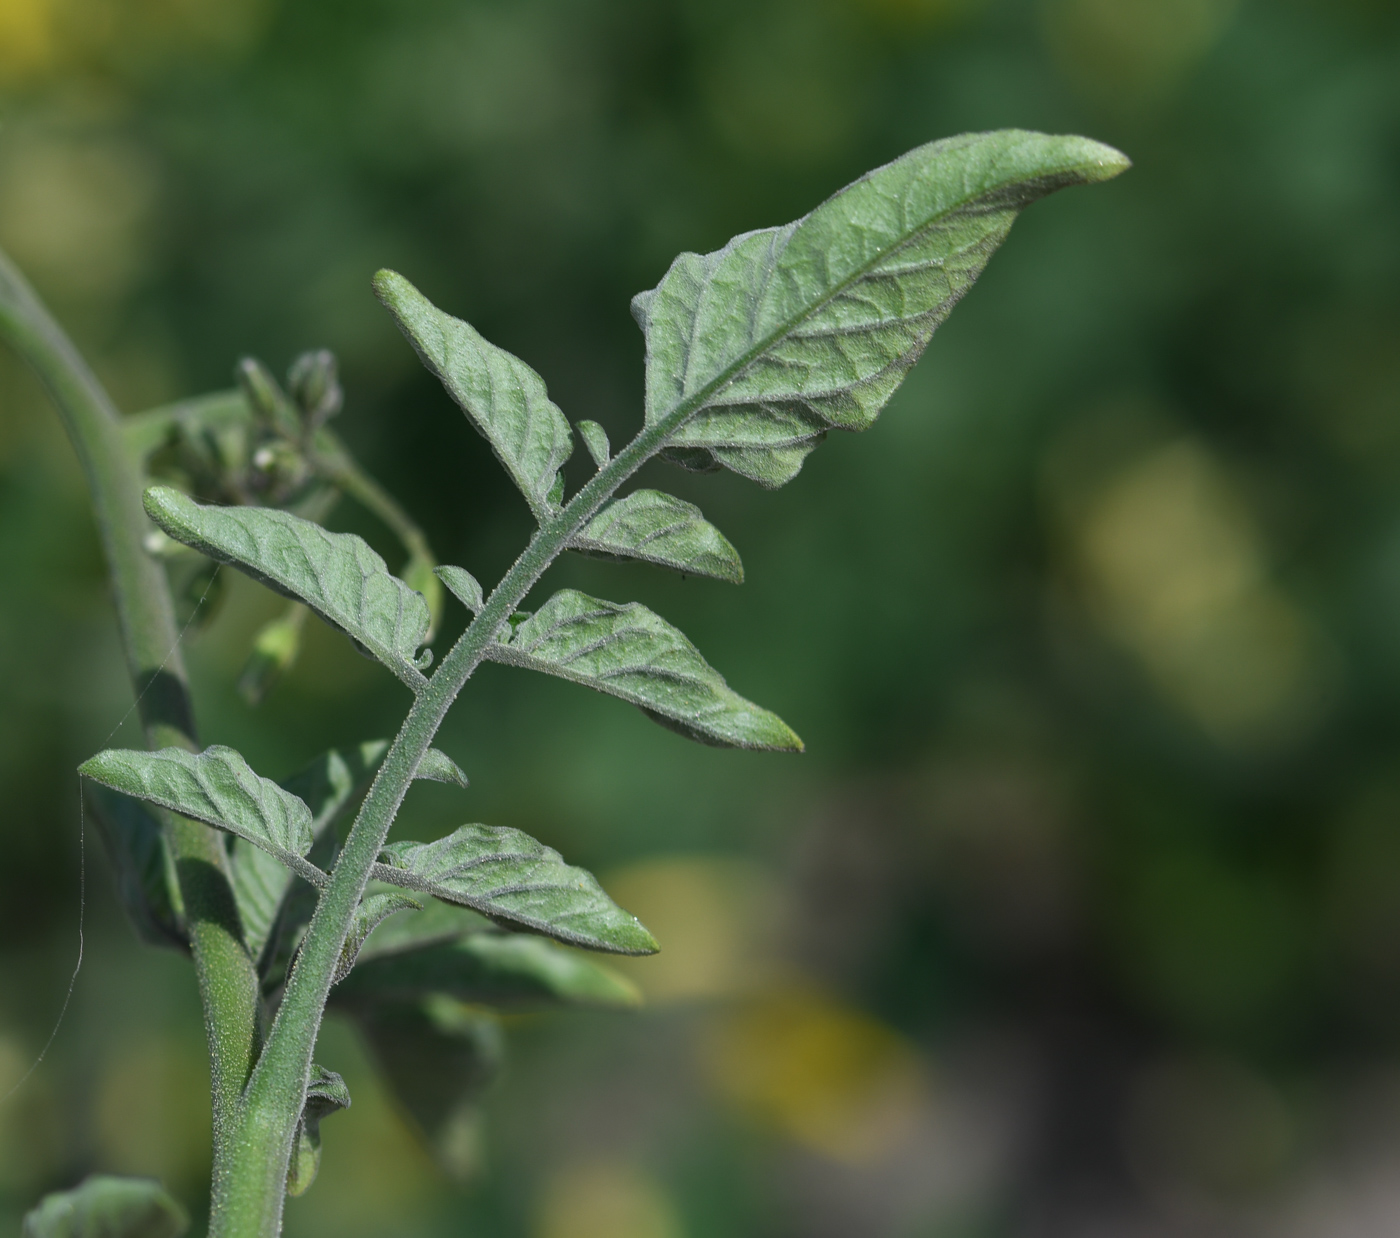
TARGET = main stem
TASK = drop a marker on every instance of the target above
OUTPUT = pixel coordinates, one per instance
(227, 979)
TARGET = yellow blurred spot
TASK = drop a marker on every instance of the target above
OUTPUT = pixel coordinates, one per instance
(1174, 569)
(56, 35)
(152, 1112)
(75, 214)
(606, 1200)
(705, 913)
(31, 1139)
(1132, 49)
(829, 1077)
(26, 36)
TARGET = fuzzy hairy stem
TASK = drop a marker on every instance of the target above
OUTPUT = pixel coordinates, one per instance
(145, 615)
(252, 1207)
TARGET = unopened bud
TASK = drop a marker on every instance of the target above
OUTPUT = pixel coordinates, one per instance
(269, 401)
(314, 382)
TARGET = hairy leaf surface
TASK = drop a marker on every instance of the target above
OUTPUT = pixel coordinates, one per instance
(507, 875)
(325, 1094)
(108, 1207)
(634, 654)
(337, 575)
(463, 585)
(491, 968)
(659, 528)
(595, 438)
(437, 766)
(215, 786)
(502, 396)
(788, 332)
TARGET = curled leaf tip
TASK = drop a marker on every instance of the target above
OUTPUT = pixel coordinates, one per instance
(1105, 163)
(386, 282)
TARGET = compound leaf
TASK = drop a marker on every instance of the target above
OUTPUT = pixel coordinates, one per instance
(261, 883)
(262, 886)
(337, 575)
(762, 346)
(108, 1207)
(215, 786)
(634, 654)
(507, 875)
(136, 846)
(502, 396)
(490, 968)
(659, 528)
(439, 1057)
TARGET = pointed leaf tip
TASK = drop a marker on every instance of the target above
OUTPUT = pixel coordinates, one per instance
(437, 766)
(215, 786)
(756, 350)
(507, 875)
(462, 585)
(632, 653)
(659, 528)
(595, 438)
(503, 398)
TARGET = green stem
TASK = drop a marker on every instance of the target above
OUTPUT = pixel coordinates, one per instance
(145, 615)
(252, 1206)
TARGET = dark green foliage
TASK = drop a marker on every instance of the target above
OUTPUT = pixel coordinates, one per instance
(440, 1057)
(132, 837)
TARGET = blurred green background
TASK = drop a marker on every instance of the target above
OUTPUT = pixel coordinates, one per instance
(1081, 914)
